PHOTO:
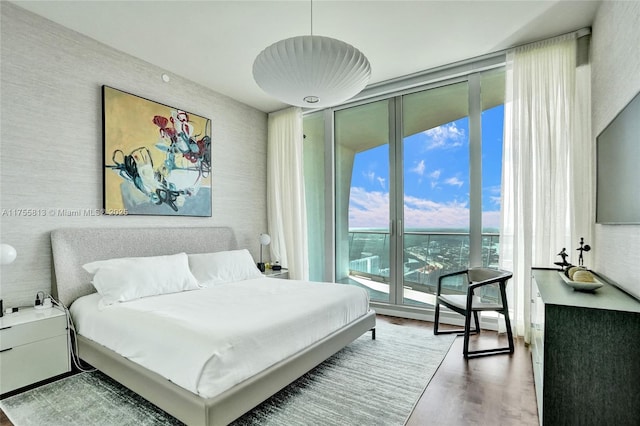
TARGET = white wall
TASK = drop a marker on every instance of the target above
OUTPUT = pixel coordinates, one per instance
(615, 51)
(51, 143)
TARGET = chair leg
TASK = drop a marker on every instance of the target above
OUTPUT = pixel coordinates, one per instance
(467, 331)
(504, 350)
(436, 324)
(475, 318)
(509, 332)
(507, 323)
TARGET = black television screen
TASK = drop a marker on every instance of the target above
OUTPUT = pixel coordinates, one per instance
(618, 168)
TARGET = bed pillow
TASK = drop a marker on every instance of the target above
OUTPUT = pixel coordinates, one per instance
(129, 278)
(223, 267)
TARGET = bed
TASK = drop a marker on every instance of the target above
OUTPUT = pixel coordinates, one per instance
(75, 247)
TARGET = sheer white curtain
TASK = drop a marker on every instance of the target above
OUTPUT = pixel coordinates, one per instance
(582, 158)
(286, 210)
(545, 154)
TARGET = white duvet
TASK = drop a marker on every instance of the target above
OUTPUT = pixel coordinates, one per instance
(208, 340)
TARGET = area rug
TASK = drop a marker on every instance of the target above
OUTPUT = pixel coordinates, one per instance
(372, 382)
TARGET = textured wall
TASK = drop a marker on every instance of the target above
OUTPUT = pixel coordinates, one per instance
(51, 143)
(615, 81)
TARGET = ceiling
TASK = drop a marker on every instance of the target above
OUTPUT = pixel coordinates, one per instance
(214, 43)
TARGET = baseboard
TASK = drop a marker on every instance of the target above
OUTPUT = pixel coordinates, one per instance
(446, 316)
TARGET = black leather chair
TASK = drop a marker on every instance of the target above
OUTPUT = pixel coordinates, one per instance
(480, 289)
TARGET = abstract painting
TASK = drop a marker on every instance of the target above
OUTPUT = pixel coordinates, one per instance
(157, 159)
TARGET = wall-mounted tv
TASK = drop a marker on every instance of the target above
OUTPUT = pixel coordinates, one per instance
(618, 168)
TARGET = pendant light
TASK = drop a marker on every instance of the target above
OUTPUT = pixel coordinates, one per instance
(311, 71)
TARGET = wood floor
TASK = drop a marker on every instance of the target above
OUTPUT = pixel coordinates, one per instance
(494, 390)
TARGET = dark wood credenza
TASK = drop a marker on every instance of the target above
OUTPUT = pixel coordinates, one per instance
(585, 349)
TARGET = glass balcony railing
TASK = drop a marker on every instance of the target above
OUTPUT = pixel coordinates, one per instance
(427, 256)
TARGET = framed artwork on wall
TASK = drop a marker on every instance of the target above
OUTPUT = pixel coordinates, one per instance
(157, 158)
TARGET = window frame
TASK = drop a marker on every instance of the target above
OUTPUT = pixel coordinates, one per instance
(469, 71)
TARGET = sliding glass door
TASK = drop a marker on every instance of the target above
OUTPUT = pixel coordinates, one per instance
(452, 153)
(362, 203)
(436, 189)
(417, 187)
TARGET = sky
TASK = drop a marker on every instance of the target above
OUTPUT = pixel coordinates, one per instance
(436, 178)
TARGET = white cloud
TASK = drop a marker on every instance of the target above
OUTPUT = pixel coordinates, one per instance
(495, 195)
(371, 210)
(419, 168)
(446, 136)
(454, 181)
(368, 209)
(421, 213)
(382, 181)
(420, 203)
(435, 177)
(491, 219)
(369, 175)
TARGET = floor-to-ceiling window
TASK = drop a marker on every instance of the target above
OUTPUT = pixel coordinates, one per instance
(362, 204)
(493, 86)
(417, 187)
(436, 188)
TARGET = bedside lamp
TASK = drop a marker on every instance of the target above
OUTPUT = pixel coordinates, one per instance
(7, 255)
(264, 239)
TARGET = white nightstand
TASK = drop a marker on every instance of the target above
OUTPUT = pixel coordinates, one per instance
(33, 347)
(282, 273)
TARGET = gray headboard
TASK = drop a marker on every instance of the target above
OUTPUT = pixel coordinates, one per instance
(73, 247)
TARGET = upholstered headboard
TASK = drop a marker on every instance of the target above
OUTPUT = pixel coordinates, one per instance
(73, 247)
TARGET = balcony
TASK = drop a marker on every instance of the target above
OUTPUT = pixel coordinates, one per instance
(427, 255)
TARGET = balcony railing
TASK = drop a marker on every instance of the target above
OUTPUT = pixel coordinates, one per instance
(427, 255)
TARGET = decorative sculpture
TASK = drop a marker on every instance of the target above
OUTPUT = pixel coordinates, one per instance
(563, 254)
(583, 247)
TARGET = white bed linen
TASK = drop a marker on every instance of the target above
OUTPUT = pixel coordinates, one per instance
(211, 339)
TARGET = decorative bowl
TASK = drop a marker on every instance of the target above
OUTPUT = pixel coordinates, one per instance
(582, 286)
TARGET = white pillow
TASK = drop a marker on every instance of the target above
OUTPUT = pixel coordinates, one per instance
(223, 267)
(129, 278)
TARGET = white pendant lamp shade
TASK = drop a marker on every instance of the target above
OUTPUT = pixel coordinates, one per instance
(311, 71)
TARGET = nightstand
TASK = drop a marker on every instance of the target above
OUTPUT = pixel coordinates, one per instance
(33, 347)
(282, 273)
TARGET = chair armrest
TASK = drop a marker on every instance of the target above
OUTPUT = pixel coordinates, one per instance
(501, 280)
(450, 274)
(473, 286)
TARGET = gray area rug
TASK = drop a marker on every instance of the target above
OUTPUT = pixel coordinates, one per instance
(370, 382)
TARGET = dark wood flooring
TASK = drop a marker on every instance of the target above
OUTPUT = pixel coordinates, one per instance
(493, 390)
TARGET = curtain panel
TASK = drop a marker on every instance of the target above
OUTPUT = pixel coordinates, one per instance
(286, 210)
(547, 164)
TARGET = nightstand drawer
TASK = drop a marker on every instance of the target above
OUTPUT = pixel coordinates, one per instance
(33, 362)
(15, 335)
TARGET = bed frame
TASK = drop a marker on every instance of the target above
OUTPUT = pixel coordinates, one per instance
(74, 247)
